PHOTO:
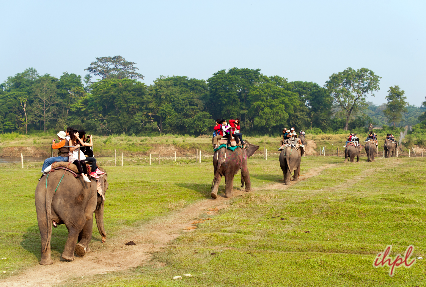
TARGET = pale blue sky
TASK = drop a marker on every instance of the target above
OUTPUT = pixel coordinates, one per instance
(298, 40)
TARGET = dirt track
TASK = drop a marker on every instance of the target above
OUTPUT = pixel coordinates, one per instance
(116, 256)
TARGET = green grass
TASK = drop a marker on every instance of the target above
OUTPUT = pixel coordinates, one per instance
(323, 231)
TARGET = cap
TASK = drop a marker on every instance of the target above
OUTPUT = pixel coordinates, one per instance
(62, 135)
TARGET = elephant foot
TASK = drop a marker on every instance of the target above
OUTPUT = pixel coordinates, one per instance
(213, 195)
(67, 258)
(46, 261)
(103, 239)
(80, 250)
(247, 190)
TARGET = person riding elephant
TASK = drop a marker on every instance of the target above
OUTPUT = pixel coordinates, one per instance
(390, 147)
(62, 198)
(227, 161)
(352, 151)
(290, 158)
(370, 149)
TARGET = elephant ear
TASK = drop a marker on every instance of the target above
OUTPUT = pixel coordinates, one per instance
(251, 148)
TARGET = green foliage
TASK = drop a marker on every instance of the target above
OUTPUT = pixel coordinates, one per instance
(114, 68)
(350, 88)
(396, 105)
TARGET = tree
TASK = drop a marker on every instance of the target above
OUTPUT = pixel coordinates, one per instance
(176, 105)
(229, 92)
(16, 99)
(114, 68)
(272, 105)
(350, 89)
(46, 98)
(115, 106)
(396, 105)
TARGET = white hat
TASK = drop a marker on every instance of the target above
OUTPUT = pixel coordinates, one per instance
(62, 134)
(292, 129)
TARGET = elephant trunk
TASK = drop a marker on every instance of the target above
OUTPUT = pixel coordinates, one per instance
(99, 215)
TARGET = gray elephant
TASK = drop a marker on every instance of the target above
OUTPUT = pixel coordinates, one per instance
(390, 147)
(61, 198)
(371, 150)
(290, 158)
(227, 161)
(352, 151)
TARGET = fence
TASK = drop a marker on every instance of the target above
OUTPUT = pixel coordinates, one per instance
(198, 156)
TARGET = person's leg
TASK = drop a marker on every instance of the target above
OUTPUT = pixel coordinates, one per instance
(92, 162)
(83, 166)
(49, 161)
(78, 165)
(237, 138)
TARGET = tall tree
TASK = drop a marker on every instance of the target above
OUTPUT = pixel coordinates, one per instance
(229, 92)
(46, 98)
(114, 68)
(272, 105)
(396, 105)
(350, 89)
(115, 106)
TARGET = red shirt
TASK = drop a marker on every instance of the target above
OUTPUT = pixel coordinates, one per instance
(218, 129)
(234, 126)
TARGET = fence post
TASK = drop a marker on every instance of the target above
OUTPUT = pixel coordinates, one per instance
(396, 152)
(409, 153)
(149, 159)
(122, 159)
(22, 160)
(115, 157)
(266, 154)
(159, 158)
(383, 153)
(200, 156)
(175, 156)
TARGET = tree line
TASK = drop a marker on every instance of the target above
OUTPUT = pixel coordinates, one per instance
(117, 102)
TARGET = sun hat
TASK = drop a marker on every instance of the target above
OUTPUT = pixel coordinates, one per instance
(62, 135)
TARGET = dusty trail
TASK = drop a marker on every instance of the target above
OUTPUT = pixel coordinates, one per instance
(115, 255)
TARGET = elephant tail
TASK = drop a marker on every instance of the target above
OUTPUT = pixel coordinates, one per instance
(49, 199)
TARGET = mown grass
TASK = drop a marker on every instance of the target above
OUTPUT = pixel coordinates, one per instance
(322, 231)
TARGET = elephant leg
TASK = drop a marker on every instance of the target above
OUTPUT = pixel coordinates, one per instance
(229, 178)
(84, 238)
(215, 185)
(296, 173)
(357, 158)
(68, 254)
(245, 178)
(287, 175)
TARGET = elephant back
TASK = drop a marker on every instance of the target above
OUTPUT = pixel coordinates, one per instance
(290, 158)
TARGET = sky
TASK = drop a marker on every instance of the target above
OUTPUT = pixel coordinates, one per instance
(297, 40)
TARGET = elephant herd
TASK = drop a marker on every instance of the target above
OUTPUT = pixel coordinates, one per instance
(63, 198)
(352, 151)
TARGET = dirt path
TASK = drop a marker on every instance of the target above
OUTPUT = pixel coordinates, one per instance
(116, 256)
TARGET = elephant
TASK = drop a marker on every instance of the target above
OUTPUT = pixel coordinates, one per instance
(62, 198)
(390, 147)
(303, 139)
(352, 151)
(290, 158)
(370, 149)
(227, 162)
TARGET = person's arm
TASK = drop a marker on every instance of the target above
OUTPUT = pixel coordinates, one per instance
(74, 147)
(59, 144)
(87, 144)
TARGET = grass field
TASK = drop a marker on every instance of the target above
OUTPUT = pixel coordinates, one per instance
(322, 231)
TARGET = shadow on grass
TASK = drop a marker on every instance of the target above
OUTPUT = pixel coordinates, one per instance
(32, 242)
(268, 177)
(203, 189)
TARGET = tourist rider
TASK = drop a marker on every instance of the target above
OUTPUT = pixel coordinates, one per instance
(217, 133)
(87, 145)
(63, 151)
(75, 153)
(236, 133)
(226, 131)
